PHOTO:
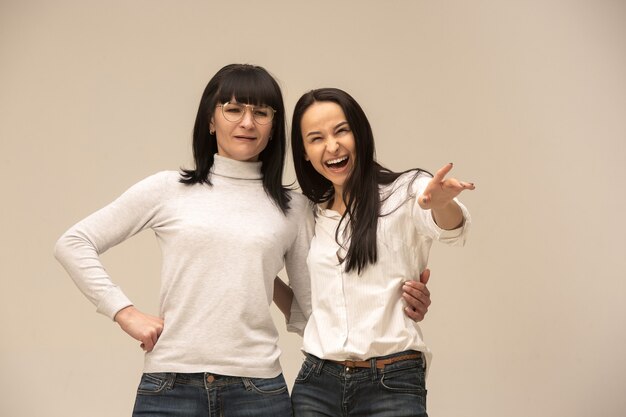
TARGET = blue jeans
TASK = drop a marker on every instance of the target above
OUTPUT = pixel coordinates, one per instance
(211, 395)
(324, 388)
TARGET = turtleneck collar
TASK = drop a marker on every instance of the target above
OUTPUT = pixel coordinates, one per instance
(231, 168)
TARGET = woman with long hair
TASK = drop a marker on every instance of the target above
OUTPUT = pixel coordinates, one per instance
(373, 228)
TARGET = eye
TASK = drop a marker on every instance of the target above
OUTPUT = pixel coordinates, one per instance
(261, 112)
(233, 108)
(315, 138)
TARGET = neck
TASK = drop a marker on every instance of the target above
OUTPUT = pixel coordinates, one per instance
(337, 204)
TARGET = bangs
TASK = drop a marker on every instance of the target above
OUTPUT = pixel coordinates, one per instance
(250, 87)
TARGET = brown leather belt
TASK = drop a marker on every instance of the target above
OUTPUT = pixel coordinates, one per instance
(380, 363)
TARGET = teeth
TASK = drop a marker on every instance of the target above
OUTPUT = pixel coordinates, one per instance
(336, 161)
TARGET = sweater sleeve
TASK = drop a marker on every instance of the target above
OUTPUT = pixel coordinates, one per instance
(78, 249)
(424, 219)
(297, 269)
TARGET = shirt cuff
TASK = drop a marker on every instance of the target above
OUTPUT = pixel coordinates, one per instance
(456, 236)
(113, 302)
(297, 319)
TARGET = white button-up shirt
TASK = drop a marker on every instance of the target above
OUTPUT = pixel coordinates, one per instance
(361, 316)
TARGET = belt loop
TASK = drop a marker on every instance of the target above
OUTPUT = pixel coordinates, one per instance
(320, 364)
(171, 378)
(246, 383)
(374, 369)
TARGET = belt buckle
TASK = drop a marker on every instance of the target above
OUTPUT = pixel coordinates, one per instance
(350, 365)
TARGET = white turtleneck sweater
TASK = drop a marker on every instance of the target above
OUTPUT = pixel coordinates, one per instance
(222, 246)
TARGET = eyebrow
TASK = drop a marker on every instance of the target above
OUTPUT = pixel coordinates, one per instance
(317, 132)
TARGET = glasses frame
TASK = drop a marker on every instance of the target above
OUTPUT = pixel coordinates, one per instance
(246, 106)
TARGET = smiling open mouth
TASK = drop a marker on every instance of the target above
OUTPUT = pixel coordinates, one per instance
(337, 163)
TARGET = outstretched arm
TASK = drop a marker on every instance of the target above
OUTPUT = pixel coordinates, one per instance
(439, 198)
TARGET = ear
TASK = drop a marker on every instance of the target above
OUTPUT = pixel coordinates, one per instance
(306, 157)
(212, 125)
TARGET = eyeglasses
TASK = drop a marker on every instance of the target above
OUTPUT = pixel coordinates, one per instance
(234, 112)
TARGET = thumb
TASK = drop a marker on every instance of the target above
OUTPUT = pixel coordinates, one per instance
(424, 201)
(425, 276)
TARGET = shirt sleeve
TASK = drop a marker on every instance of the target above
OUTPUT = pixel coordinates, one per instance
(78, 249)
(424, 218)
(297, 269)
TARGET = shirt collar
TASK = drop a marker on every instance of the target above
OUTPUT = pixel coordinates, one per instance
(321, 210)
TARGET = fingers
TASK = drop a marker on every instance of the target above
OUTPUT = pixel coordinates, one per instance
(150, 345)
(417, 297)
(155, 333)
(440, 193)
(440, 177)
(147, 347)
(454, 185)
(150, 335)
(443, 171)
(142, 327)
(416, 294)
(414, 315)
(147, 341)
(467, 185)
(438, 182)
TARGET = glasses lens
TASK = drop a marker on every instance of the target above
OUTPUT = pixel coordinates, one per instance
(233, 112)
(262, 114)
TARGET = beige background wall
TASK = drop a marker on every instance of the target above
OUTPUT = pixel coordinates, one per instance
(528, 98)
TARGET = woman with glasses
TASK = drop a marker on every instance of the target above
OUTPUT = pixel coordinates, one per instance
(373, 228)
(225, 228)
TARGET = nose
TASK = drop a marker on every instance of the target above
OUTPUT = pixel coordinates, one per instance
(247, 120)
(332, 145)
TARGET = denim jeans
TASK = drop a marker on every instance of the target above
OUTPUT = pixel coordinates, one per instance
(211, 395)
(324, 388)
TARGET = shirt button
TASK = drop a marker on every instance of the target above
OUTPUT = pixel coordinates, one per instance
(210, 378)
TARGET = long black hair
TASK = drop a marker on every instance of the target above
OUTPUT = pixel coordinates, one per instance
(361, 189)
(249, 84)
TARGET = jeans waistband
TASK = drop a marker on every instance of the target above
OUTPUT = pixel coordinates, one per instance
(374, 363)
(201, 379)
